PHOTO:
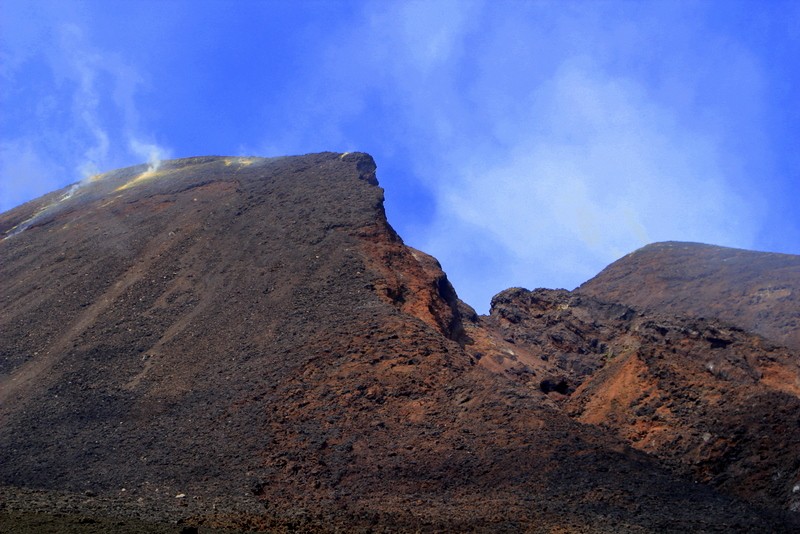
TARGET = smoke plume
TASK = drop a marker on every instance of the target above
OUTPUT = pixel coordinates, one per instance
(151, 152)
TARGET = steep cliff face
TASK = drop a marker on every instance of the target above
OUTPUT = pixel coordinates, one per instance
(756, 291)
(252, 336)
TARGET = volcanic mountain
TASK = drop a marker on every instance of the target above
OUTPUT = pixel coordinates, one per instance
(246, 343)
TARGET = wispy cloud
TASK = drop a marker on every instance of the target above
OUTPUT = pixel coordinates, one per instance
(82, 115)
(600, 171)
(152, 153)
(83, 66)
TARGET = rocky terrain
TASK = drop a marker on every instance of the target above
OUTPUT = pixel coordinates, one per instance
(756, 291)
(244, 344)
(715, 403)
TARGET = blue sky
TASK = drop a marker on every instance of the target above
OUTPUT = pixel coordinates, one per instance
(521, 143)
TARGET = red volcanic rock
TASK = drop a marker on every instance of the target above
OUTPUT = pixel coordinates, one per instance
(713, 402)
(246, 343)
(756, 291)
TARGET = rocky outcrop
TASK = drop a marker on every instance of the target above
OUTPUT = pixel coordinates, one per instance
(713, 402)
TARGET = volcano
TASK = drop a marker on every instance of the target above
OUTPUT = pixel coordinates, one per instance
(237, 344)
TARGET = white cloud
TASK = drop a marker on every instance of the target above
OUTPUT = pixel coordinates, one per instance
(81, 65)
(83, 111)
(602, 170)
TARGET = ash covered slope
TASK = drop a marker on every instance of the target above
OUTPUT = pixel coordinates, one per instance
(757, 291)
(252, 333)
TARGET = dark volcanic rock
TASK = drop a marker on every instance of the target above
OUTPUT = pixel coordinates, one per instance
(246, 342)
(757, 291)
(711, 401)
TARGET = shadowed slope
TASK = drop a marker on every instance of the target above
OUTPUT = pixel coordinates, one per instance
(251, 334)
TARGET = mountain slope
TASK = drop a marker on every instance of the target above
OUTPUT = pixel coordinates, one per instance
(756, 291)
(246, 341)
(711, 401)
